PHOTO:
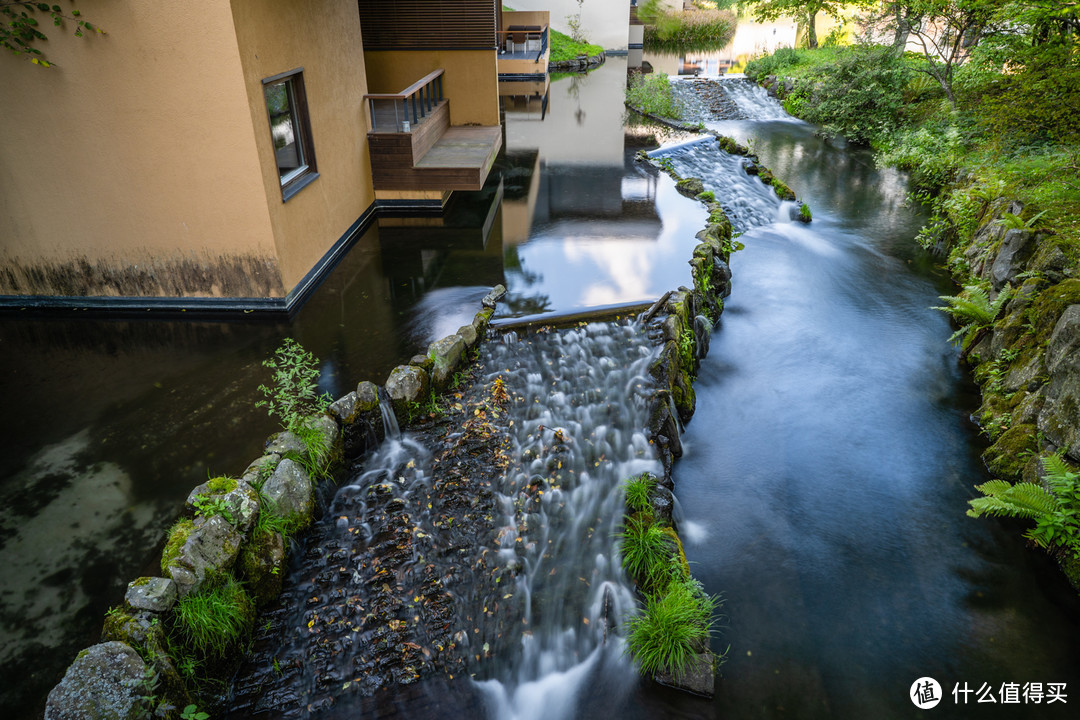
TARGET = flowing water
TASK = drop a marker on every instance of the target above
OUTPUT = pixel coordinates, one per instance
(822, 491)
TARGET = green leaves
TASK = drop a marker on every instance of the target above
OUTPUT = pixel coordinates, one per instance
(973, 310)
(294, 393)
(1055, 511)
(19, 33)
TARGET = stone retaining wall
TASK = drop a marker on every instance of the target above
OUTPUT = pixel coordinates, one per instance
(131, 668)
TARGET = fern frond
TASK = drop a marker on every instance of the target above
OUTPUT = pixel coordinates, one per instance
(1024, 500)
(1056, 468)
(999, 302)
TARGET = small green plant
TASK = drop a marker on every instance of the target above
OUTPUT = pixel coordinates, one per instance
(686, 351)
(646, 552)
(294, 395)
(192, 712)
(973, 310)
(1015, 222)
(216, 617)
(1056, 512)
(671, 630)
(639, 493)
(213, 505)
(804, 213)
(707, 196)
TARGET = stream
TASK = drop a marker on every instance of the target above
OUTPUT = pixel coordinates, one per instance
(822, 491)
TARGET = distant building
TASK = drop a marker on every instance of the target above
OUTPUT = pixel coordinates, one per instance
(222, 154)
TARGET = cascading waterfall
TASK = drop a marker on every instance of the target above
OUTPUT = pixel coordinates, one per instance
(753, 100)
(577, 431)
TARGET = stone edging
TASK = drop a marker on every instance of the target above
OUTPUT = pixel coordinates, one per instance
(579, 64)
(131, 662)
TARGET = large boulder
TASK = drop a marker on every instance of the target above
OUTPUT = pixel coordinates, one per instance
(1017, 247)
(105, 681)
(699, 678)
(291, 493)
(212, 546)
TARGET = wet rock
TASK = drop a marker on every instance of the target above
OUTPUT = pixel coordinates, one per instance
(367, 396)
(1009, 454)
(154, 594)
(663, 504)
(699, 678)
(103, 682)
(211, 547)
(481, 320)
(702, 335)
(690, 187)
(239, 505)
(344, 409)
(1016, 249)
(257, 472)
(468, 334)
(284, 443)
(290, 490)
(262, 563)
(424, 362)
(405, 386)
(448, 353)
(496, 294)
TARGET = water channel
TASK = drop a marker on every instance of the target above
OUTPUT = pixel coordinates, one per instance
(826, 470)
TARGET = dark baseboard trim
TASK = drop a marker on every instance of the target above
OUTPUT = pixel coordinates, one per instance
(195, 307)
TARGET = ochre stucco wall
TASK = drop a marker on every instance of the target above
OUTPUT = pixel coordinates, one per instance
(471, 79)
(130, 168)
(323, 37)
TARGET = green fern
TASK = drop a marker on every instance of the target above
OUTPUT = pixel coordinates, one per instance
(1015, 222)
(973, 310)
(1024, 500)
(1056, 512)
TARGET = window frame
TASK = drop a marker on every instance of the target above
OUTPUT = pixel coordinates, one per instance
(299, 178)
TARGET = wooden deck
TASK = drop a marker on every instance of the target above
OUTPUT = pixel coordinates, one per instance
(458, 160)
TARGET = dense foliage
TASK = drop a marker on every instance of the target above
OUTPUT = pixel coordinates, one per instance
(690, 30)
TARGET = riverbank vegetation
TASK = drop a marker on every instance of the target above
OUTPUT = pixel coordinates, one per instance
(651, 93)
(984, 114)
(689, 30)
(564, 47)
(676, 622)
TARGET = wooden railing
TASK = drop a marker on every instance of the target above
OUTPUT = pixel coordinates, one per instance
(402, 111)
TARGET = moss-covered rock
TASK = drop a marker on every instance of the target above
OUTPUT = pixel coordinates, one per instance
(1009, 454)
(105, 681)
(690, 187)
(262, 566)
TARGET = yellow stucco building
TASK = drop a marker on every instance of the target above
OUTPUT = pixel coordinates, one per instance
(217, 154)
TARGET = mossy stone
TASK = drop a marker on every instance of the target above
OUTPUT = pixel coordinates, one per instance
(178, 535)
(262, 564)
(1009, 454)
(690, 187)
(1050, 304)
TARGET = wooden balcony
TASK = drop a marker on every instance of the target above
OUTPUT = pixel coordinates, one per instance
(524, 47)
(414, 147)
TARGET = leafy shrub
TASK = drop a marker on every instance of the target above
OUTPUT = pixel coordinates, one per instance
(860, 97)
(638, 493)
(686, 30)
(931, 154)
(294, 395)
(652, 93)
(779, 63)
(1039, 103)
(646, 552)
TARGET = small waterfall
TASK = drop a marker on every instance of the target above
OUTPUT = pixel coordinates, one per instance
(577, 431)
(389, 419)
(754, 101)
(748, 202)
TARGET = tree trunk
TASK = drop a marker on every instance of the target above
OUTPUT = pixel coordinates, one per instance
(904, 22)
(811, 30)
